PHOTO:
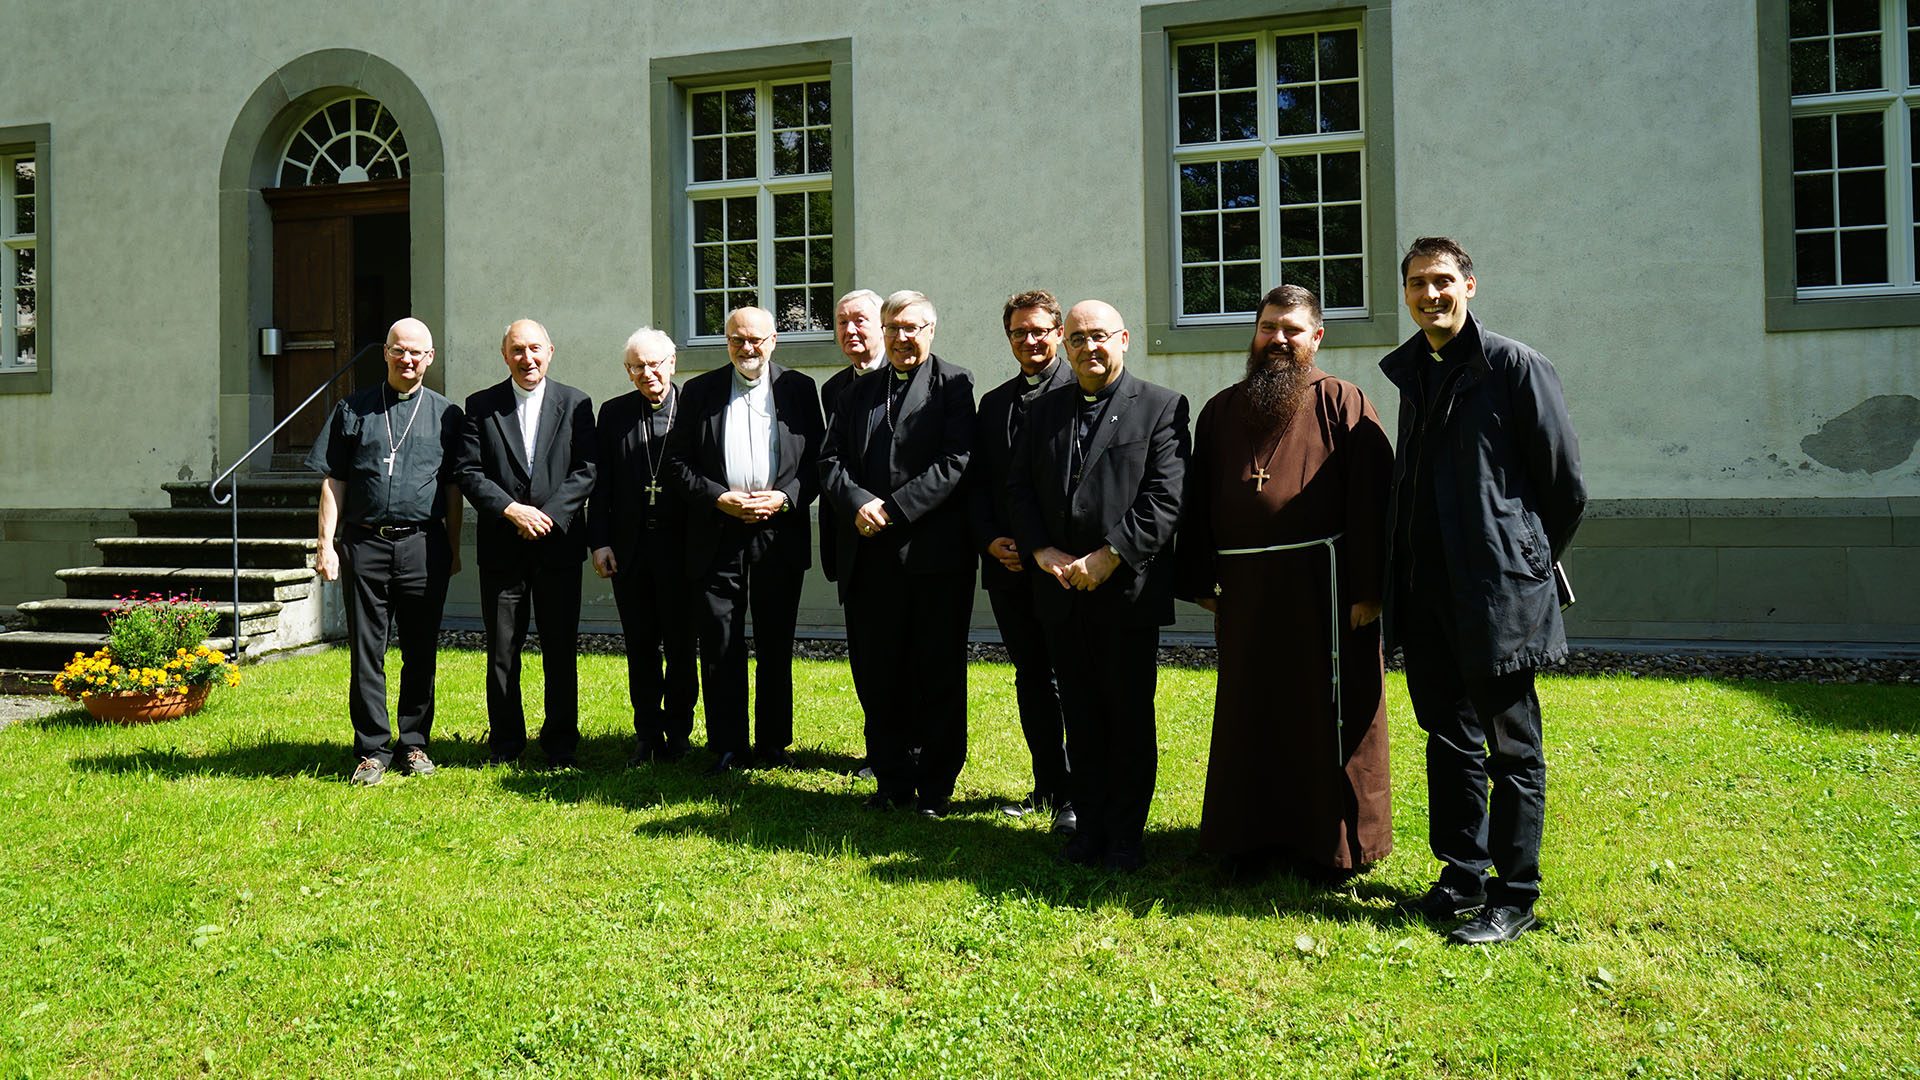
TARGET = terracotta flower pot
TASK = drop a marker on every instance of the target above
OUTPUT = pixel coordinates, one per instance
(131, 707)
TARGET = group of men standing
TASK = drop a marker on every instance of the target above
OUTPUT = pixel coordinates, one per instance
(1076, 488)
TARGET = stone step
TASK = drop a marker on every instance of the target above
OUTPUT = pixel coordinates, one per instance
(260, 522)
(207, 583)
(89, 616)
(279, 490)
(256, 553)
(40, 654)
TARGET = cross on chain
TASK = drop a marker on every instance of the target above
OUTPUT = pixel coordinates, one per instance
(389, 460)
(1260, 477)
(653, 488)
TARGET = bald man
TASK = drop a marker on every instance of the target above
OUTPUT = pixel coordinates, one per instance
(389, 532)
(1094, 493)
(527, 462)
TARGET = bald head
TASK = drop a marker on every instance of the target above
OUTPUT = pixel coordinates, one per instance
(409, 354)
(1096, 343)
(527, 350)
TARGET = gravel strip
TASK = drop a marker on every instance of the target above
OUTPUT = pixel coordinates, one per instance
(1752, 666)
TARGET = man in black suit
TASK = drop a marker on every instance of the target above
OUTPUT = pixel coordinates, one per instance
(1095, 495)
(638, 532)
(1032, 322)
(856, 329)
(527, 466)
(894, 462)
(744, 455)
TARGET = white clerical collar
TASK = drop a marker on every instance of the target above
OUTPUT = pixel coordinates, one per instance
(871, 365)
(745, 383)
(1034, 379)
(403, 395)
(658, 405)
(538, 391)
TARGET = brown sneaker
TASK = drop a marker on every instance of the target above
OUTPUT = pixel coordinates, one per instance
(371, 771)
(418, 763)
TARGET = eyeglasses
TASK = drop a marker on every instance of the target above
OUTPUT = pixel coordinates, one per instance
(908, 330)
(643, 369)
(401, 352)
(1032, 333)
(740, 342)
(1081, 339)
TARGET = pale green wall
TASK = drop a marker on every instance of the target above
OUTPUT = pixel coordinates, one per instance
(1601, 161)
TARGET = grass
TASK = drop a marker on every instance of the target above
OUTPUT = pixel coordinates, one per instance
(1732, 890)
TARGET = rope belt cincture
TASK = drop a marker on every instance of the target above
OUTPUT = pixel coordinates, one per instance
(1333, 639)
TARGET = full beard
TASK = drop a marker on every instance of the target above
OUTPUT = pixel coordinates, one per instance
(1276, 386)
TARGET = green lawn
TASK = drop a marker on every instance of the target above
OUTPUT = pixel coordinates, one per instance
(1732, 890)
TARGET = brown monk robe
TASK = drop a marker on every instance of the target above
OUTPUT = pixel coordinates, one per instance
(1283, 778)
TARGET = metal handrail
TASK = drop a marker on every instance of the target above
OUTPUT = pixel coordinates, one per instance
(213, 486)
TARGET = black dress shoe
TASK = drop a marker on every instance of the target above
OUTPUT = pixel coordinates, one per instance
(882, 800)
(673, 749)
(499, 761)
(1494, 926)
(934, 808)
(1081, 850)
(732, 759)
(1065, 821)
(864, 772)
(1123, 860)
(1443, 902)
(777, 758)
(643, 752)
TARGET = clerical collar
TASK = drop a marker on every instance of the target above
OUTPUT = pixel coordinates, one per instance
(404, 395)
(902, 376)
(1104, 392)
(745, 383)
(661, 404)
(526, 395)
(875, 364)
(1459, 346)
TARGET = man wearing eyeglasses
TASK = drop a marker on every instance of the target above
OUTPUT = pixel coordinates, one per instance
(856, 329)
(1095, 492)
(743, 454)
(894, 464)
(527, 466)
(1032, 324)
(386, 458)
(637, 530)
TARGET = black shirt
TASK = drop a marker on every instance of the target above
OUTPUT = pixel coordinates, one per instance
(355, 445)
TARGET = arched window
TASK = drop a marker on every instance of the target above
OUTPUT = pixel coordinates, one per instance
(346, 142)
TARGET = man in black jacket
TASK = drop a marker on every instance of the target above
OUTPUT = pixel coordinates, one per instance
(637, 529)
(743, 454)
(527, 466)
(1486, 497)
(1032, 322)
(893, 467)
(1095, 488)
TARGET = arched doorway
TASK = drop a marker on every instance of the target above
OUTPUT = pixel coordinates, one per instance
(331, 227)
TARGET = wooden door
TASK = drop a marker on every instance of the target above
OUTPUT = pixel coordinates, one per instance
(313, 307)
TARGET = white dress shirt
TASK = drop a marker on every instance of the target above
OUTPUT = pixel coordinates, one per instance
(753, 453)
(526, 409)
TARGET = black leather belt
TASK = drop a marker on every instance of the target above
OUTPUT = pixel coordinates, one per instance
(391, 532)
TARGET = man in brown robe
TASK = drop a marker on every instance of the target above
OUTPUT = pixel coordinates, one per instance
(1291, 470)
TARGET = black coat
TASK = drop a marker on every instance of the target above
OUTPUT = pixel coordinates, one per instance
(493, 473)
(620, 515)
(697, 467)
(1129, 496)
(1508, 492)
(993, 461)
(927, 464)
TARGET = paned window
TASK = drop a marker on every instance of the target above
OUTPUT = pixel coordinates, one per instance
(1855, 84)
(759, 195)
(346, 142)
(1269, 159)
(20, 315)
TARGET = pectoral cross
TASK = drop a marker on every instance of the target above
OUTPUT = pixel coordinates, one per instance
(1260, 477)
(389, 459)
(653, 488)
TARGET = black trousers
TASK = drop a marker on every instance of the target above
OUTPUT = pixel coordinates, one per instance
(550, 595)
(1486, 768)
(1035, 690)
(1108, 674)
(394, 589)
(907, 648)
(656, 617)
(749, 578)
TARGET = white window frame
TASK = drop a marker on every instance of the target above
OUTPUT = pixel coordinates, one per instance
(1894, 100)
(764, 186)
(1267, 147)
(12, 243)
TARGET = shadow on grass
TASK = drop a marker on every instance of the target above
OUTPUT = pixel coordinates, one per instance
(1874, 708)
(997, 855)
(269, 757)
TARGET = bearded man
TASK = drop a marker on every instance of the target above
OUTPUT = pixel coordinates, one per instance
(1282, 540)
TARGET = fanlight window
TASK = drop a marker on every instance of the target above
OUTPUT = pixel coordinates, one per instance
(346, 142)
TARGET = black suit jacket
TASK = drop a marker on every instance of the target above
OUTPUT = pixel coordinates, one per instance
(832, 520)
(927, 455)
(619, 515)
(1128, 496)
(493, 473)
(697, 467)
(993, 461)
